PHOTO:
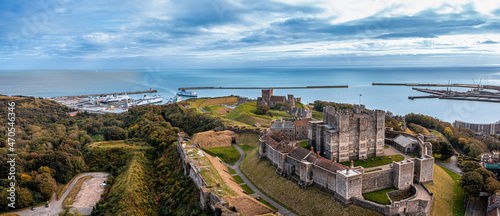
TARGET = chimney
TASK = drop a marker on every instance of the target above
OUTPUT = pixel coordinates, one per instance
(352, 164)
(335, 159)
(347, 171)
(312, 149)
(318, 153)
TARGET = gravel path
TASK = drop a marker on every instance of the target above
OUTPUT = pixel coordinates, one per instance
(55, 206)
(236, 168)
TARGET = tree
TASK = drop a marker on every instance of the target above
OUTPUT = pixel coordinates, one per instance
(470, 166)
(24, 197)
(436, 146)
(485, 173)
(448, 133)
(44, 169)
(115, 133)
(261, 109)
(472, 183)
(462, 142)
(287, 106)
(491, 185)
(446, 151)
(45, 184)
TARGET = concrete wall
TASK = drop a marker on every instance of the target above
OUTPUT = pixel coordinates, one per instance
(377, 180)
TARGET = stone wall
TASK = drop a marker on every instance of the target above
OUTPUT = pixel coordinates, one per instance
(367, 204)
(377, 180)
(324, 179)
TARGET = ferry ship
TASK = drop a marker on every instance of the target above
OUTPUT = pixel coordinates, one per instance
(150, 100)
(116, 98)
(187, 93)
(174, 100)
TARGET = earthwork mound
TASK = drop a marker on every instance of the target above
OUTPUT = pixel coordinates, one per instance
(211, 139)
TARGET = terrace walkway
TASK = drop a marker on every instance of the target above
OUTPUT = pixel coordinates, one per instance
(236, 167)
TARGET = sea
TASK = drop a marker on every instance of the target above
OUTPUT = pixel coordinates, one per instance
(51, 83)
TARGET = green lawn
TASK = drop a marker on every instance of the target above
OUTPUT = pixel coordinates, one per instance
(228, 154)
(231, 171)
(373, 170)
(448, 196)
(245, 113)
(304, 144)
(247, 189)
(317, 115)
(299, 105)
(386, 147)
(238, 179)
(376, 161)
(458, 208)
(212, 109)
(379, 196)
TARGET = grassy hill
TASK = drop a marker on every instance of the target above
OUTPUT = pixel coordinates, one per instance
(112, 155)
(246, 113)
(128, 192)
(448, 196)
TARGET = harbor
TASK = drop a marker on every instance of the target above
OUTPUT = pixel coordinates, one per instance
(477, 92)
(113, 103)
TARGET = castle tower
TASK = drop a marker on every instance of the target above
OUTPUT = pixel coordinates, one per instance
(291, 100)
(266, 94)
(403, 174)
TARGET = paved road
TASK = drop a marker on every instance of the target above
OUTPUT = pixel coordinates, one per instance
(55, 206)
(236, 168)
(452, 165)
(475, 208)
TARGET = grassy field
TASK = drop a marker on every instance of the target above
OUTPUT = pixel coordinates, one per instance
(304, 144)
(267, 204)
(317, 115)
(74, 191)
(448, 196)
(238, 179)
(247, 142)
(299, 105)
(376, 161)
(197, 103)
(247, 189)
(245, 113)
(227, 154)
(130, 145)
(310, 201)
(231, 171)
(379, 196)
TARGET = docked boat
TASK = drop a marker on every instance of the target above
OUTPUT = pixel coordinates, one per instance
(187, 93)
(174, 100)
(150, 100)
(116, 98)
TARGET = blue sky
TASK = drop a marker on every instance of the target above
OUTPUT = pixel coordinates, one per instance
(134, 34)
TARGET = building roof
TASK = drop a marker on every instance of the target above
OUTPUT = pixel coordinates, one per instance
(301, 123)
(312, 158)
(278, 98)
(329, 165)
(299, 153)
(404, 140)
(278, 141)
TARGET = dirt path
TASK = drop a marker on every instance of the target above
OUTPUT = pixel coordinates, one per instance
(236, 167)
(55, 206)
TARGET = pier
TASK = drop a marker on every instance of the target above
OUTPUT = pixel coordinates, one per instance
(441, 94)
(119, 93)
(290, 87)
(491, 87)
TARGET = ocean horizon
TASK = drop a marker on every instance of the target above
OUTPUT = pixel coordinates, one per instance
(51, 83)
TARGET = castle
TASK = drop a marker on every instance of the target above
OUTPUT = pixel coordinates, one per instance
(348, 134)
(354, 129)
(270, 100)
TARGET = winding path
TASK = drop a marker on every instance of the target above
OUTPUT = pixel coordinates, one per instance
(55, 206)
(236, 167)
(452, 165)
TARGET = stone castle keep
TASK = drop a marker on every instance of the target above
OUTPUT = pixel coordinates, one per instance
(348, 134)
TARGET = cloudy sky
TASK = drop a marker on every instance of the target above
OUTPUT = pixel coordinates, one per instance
(239, 33)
